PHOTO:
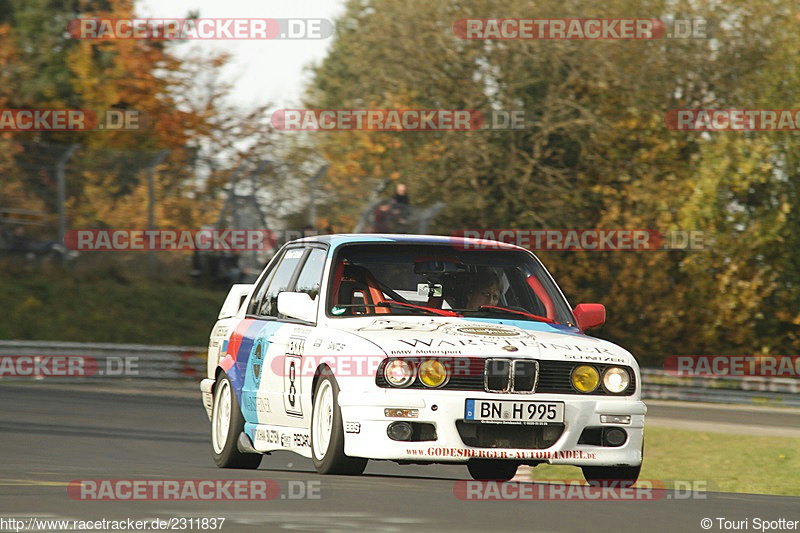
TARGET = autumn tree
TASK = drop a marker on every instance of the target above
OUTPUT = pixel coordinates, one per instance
(595, 153)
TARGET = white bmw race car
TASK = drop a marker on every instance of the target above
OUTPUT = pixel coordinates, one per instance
(418, 349)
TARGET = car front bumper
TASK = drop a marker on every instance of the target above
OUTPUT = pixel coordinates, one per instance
(207, 393)
(366, 428)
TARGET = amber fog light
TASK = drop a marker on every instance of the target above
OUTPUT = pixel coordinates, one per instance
(585, 378)
(432, 373)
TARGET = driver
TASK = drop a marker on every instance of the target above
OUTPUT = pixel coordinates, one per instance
(483, 290)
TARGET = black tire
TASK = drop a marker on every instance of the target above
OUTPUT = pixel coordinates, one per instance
(330, 458)
(619, 476)
(605, 475)
(224, 441)
(492, 469)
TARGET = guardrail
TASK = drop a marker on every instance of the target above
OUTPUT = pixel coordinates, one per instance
(189, 362)
(756, 390)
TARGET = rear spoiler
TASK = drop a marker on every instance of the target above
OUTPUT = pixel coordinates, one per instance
(235, 299)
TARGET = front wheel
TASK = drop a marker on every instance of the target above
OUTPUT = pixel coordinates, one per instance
(624, 476)
(226, 425)
(327, 433)
(489, 470)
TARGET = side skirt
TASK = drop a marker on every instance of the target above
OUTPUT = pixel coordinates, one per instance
(268, 438)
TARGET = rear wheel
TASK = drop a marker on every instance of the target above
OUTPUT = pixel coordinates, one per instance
(226, 425)
(606, 475)
(327, 433)
(488, 469)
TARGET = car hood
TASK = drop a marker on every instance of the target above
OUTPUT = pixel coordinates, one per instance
(412, 336)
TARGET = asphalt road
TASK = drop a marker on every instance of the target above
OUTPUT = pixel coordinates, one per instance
(775, 417)
(50, 436)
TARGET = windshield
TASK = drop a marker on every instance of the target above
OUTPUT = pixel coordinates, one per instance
(416, 279)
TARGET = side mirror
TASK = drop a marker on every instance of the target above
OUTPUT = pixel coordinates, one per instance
(297, 305)
(589, 315)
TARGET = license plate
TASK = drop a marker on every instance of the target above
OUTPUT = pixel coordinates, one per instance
(513, 412)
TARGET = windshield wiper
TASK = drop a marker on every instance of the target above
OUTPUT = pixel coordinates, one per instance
(494, 308)
(435, 311)
(389, 303)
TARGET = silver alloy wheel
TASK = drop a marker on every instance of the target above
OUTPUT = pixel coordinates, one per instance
(221, 416)
(322, 422)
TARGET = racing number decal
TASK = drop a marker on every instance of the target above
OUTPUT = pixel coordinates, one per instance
(292, 388)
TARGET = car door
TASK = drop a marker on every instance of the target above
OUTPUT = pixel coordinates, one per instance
(293, 380)
(260, 399)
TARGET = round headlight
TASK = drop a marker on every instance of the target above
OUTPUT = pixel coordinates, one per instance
(585, 378)
(432, 373)
(399, 373)
(616, 379)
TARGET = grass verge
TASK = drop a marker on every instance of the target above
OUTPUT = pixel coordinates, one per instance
(728, 463)
(103, 306)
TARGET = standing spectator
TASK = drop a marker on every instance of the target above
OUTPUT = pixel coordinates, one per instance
(393, 216)
(382, 219)
(400, 210)
(400, 196)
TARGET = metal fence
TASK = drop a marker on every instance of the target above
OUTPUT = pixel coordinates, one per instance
(189, 362)
(47, 182)
(754, 390)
